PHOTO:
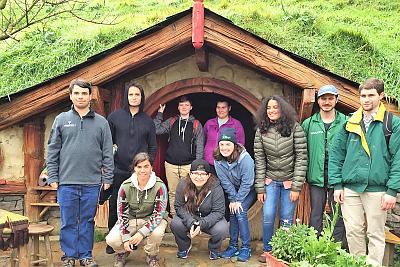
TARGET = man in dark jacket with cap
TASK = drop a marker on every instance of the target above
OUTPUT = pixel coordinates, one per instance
(132, 131)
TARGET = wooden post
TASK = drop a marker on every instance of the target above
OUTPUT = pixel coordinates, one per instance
(307, 104)
(33, 162)
(201, 56)
(97, 101)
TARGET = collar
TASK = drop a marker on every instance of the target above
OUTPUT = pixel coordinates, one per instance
(358, 115)
(90, 114)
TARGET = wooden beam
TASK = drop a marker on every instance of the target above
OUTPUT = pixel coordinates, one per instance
(307, 103)
(233, 41)
(33, 163)
(12, 187)
(97, 101)
(131, 56)
(201, 56)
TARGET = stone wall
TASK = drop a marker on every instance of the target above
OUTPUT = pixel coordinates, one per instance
(13, 203)
(259, 85)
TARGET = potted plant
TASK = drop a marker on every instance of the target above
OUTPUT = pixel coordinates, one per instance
(299, 246)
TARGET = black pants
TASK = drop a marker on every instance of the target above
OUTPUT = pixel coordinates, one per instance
(318, 197)
(218, 233)
(119, 177)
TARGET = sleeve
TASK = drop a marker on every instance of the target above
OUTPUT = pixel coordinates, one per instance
(247, 178)
(123, 214)
(225, 181)
(112, 129)
(53, 152)
(301, 158)
(160, 126)
(240, 133)
(337, 156)
(306, 126)
(260, 162)
(152, 142)
(181, 212)
(108, 157)
(159, 211)
(199, 142)
(217, 209)
(393, 184)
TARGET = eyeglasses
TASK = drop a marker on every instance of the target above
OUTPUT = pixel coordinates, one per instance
(199, 174)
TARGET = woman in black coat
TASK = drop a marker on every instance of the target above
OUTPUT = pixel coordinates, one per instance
(200, 206)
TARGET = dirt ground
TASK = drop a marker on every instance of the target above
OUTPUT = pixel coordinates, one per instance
(198, 256)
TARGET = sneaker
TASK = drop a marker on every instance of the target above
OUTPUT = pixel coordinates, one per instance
(120, 259)
(230, 252)
(263, 257)
(184, 253)
(89, 262)
(152, 261)
(244, 254)
(67, 262)
(109, 250)
(214, 255)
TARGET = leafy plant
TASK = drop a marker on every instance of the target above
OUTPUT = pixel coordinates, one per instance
(301, 247)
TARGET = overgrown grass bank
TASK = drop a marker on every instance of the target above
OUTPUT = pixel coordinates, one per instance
(356, 39)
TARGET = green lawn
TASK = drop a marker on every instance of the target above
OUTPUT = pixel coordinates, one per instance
(356, 39)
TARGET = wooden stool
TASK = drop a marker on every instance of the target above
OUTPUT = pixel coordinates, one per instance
(35, 231)
(390, 240)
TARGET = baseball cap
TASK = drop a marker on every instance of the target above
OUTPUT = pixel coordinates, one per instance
(327, 89)
(200, 165)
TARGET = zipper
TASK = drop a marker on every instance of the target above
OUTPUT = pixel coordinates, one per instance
(198, 208)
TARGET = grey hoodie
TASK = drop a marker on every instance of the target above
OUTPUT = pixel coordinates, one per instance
(79, 150)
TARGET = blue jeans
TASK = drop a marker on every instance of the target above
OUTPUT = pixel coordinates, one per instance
(78, 205)
(276, 192)
(239, 222)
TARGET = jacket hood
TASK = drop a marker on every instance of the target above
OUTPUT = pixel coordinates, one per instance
(126, 103)
(150, 183)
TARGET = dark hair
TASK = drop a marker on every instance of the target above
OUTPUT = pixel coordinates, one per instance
(80, 83)
(139, 158)
(232, 157)
(372, 83)
(223, 100)
(130, 84)
(193, 197)
(185, 98)
(285, 123)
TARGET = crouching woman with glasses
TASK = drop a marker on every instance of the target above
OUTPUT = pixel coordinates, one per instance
(142, 202)
(200, 207)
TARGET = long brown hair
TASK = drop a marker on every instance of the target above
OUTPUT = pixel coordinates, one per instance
(193, 197)
(285, 123)
(237, 150)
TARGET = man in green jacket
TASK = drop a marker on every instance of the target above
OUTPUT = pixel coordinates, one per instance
(365, 172)
(320, 130)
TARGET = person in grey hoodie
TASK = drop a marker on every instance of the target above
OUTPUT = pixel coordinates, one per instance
(79, 162)
(185, 144)
(200, 206)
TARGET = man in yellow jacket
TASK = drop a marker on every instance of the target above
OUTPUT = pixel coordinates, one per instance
(365, 172)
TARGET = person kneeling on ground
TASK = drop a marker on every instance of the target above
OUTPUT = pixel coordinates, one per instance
(142, 202)
(200, 206)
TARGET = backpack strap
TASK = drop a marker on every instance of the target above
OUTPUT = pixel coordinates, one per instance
(387, 127)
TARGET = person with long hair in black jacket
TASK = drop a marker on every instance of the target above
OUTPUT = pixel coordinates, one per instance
(200, 207)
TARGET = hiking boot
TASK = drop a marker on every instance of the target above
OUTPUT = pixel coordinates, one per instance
(67, 262)
(263, 257)
(88, 262)
(184, 253)
(152, 261)
(109, 250)
(230, 252)
(244, 254)
(120, 259)
(214, 255)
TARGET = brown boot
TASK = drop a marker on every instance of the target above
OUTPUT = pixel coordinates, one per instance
(263, 257)
(153, 261)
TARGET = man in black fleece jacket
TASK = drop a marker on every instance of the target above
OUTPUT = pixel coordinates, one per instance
(132, 132)
(185, 144)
